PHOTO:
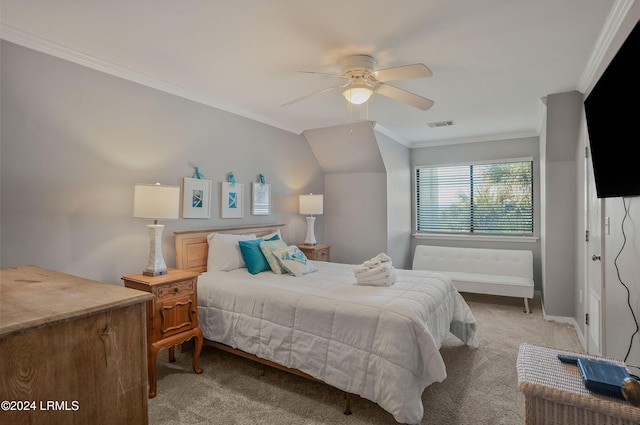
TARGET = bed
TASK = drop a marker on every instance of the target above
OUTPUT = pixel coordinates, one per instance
(381, 343)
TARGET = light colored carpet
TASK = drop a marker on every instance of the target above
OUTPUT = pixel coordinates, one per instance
(481, 387)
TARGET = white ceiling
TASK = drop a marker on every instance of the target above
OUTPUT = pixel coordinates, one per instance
(492, 60)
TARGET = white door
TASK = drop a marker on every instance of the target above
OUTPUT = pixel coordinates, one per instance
(594, 291)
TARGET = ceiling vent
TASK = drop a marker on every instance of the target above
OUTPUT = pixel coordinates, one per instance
(440, 124)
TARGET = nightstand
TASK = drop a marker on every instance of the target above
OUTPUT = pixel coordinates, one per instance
(172, 315)
(317, 252)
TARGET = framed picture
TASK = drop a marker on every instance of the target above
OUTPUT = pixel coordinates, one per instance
(260, 198)
(196, 198)
(231, 200)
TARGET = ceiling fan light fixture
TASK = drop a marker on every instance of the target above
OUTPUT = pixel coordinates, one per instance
(362, 81)
(357, 93)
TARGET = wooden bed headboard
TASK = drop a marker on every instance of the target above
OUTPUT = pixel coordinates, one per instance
(191, 244)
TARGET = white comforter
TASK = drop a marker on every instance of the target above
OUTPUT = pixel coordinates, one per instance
(379, 342)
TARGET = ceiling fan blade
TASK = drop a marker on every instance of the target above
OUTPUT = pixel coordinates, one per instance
(405, 96)
(326, 74)
(406, 72)
(310, 94)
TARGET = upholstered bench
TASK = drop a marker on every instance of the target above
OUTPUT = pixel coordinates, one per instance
(480, 270)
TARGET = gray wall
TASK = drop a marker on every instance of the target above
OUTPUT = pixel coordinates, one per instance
(367, 192)
(397, 162)
(482, 151)
(356, 216)
(559, 189)
(355, 190)
(74, 142)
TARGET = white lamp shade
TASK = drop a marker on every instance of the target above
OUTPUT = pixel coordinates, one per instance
(311, 204)
(357, 93)
(156, 201)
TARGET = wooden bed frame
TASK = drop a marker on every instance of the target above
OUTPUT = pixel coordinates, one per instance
(192, 252)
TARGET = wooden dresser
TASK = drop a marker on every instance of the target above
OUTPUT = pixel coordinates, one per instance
(172, 315)
(73, 350)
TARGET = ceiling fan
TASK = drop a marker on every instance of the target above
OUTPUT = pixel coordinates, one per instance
(363, 81)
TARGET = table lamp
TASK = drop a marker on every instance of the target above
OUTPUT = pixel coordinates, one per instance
(311, 204)
(156, 202)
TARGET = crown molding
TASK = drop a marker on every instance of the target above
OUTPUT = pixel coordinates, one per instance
(447, 142)
(610, 29)
(41, 45)
(383, 130)
(485, 138)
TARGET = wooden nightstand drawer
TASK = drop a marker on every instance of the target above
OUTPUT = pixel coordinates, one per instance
(318, 252)
(175, 289)
(321, 255)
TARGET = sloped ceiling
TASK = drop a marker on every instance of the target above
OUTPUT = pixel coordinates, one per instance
(350, 148)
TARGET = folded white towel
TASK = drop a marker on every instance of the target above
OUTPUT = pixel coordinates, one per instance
(382, 257)
(382, 270)
(377, 260)
(372, 263)
(360, 268)
(377, 271)
(386, 280)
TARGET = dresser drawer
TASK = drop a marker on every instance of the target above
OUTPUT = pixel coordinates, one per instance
(176, 289)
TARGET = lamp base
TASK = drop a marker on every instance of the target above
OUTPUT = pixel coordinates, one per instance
(311, 237)
(156, 265)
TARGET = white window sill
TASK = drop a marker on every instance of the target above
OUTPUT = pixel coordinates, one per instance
(483, 238)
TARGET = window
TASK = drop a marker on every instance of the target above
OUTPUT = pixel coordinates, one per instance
(492, 198)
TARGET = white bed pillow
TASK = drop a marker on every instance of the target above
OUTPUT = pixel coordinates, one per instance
(294, 261)
(224, 251)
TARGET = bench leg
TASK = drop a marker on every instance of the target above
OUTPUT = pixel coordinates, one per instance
(526, 306)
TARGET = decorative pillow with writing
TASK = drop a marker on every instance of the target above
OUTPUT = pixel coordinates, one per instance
(253, 256)
(294, 261)
(224, 251)
(267, 248)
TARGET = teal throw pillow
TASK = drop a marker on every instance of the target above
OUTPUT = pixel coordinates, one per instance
(253, 256)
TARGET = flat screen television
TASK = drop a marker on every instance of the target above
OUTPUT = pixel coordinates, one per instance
(613, 121)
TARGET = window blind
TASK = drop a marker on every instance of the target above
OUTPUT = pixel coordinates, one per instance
(492, 198)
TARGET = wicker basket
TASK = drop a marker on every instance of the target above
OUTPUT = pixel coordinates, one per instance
(555, 393)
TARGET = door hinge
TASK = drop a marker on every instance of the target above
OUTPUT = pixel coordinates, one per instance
(586, 152)
(586, 319)
(586, 236)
